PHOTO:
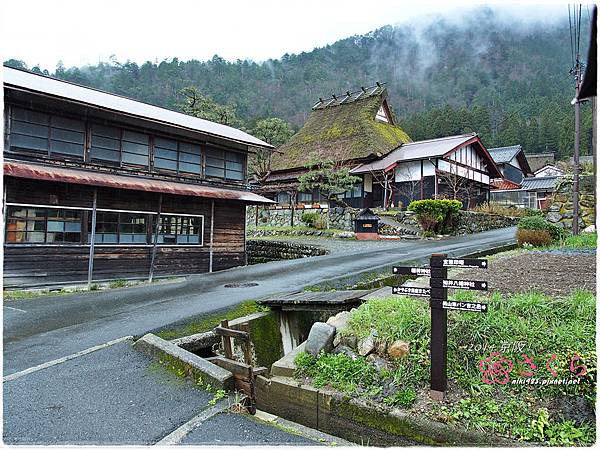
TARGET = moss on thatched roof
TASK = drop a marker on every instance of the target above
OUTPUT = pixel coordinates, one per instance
(343, 132)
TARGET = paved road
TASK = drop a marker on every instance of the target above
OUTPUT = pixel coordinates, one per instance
(115, 395)
(39, 330)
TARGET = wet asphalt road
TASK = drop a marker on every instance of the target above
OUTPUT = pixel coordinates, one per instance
(117, 396)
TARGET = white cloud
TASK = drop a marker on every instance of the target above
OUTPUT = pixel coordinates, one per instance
(85, 32)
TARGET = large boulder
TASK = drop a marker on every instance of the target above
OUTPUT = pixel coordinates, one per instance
(320, 338)
(367, 345)
(398, 349)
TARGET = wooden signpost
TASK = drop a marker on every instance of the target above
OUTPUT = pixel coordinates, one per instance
(439, 304)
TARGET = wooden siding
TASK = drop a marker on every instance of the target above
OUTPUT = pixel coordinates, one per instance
(38, 265)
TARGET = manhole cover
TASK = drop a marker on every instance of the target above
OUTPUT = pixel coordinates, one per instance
(240, 285)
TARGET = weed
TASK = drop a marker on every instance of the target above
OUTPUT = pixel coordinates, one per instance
(220, 394)
(404, 397)
(117, 284)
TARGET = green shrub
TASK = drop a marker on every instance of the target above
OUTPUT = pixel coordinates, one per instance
(530, 212)
(538, 223)
(320, 223)
(309, 218)
(437, 216)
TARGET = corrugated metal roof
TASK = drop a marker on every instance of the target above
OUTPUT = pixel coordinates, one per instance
(415, 150)
(349, 97)
(67, 175)
(504, 154)
(63, 89)
(535, 183)
(504, 184)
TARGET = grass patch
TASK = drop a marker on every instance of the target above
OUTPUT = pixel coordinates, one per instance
(207, 322)
(285, 229)
(529, 324)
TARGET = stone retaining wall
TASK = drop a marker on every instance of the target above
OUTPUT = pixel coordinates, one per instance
(337, 218)
(560, 211)
(260, 251)
(474, 222)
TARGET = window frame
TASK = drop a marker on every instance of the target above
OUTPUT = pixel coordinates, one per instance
(85, 232)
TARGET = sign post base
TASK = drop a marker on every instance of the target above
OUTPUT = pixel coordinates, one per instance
(438, 396)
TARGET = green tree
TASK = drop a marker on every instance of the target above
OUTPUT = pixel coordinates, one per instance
(329, 177)
(272, 130)
(204, 107)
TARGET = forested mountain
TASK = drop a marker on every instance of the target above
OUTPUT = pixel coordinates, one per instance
(509, 82)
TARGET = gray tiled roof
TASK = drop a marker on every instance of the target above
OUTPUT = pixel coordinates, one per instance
(504, 154)
(535, 183)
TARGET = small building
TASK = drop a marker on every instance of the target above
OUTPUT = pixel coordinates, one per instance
(349, 129)
(538, 160)
(512, 162)
(549, 170)
(98, 187)
(532, 192)
(456, 167)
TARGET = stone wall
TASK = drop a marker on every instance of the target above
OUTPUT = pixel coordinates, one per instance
(560, 211)
(475, 222)
(338, 218)
(260, 251)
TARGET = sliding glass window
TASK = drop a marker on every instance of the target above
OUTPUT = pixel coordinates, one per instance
(39, 226)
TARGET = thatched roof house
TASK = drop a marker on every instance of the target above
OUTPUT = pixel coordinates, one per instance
(353, 126)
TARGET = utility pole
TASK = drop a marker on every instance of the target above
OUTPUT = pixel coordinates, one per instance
(576, 153)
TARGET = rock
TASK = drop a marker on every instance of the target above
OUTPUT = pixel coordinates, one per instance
(378, 362)
(350, 341)
(398, 349)
(554, 208)
(344, 235)
(342, 349)
(553, 217)
(320, 338)
(381, 348)
(339, 321)
(590, 229)
(367, 345)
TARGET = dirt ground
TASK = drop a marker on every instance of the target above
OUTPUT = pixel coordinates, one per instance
(553, 273)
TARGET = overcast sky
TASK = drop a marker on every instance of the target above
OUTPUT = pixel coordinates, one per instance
(82, 32)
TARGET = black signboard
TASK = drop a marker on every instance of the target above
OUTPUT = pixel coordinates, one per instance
(423, 271)
(464, 306)
(410, 290)
(459, 284)
(460, 262)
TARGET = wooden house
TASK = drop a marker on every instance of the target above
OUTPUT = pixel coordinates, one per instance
(98, 187)
(455, 167)
(512, 162)
(348, 129)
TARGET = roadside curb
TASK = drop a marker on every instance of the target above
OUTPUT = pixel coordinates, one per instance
(192, 365)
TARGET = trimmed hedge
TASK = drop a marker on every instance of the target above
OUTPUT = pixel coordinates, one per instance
(436, 216)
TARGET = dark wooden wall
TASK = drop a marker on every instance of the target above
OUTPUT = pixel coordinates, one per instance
(32, 265)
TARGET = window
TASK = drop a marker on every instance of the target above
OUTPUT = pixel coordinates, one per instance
(181, 230)
(305, 197)
(39, 225)
(180, 157)
(106, 144)
(67, 137)
(283, 198)
(224, 164)
(355, 192)
(134, 148)
(38, 132)
(119, 228)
